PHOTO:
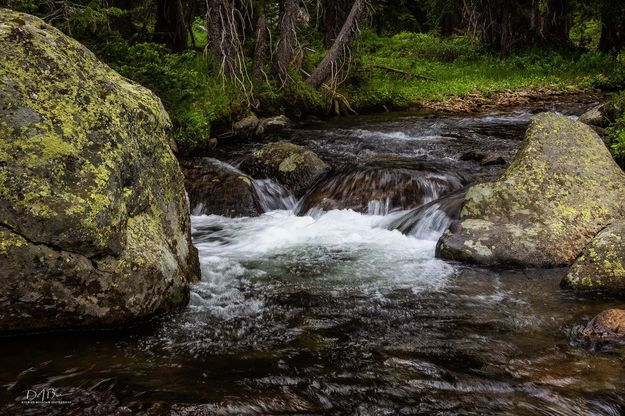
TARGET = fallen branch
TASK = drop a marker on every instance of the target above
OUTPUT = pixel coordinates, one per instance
(402, 72)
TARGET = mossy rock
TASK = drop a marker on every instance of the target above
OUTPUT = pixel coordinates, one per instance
(217, 188)
(295, 167)
(94, 219)
(601, 266)
(560, 190)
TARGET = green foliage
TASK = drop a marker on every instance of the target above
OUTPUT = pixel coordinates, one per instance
(194, 96)
(616, 132)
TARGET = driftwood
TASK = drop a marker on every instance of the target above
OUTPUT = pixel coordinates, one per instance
(402, 72)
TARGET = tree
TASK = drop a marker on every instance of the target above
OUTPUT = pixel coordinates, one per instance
(172, 23)
(223, 35)
(337, 54)
(555, 28)
(612, 26)
(288, 38)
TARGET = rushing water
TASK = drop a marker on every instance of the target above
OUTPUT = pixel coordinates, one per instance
(335, 311)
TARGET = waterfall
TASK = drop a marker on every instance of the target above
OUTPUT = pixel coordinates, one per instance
(379, 191)
(273, 196)
(430, 221)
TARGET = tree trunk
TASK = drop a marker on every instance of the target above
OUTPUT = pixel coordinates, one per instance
(284, 51)
(259, 47)
(555, 28)
(123, 24)
(223, 35)
(172, 24)
(334, 56)
(612, 27)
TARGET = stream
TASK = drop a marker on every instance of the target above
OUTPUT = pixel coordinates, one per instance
(315, 308)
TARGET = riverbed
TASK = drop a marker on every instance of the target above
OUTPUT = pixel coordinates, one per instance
(309, 310)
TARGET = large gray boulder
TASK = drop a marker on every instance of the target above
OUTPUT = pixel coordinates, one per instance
(94, 219)
(561, 189)
(601, 266)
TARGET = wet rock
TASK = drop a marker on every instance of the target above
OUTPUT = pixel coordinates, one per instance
(94, 219)
(472, 155)
(609, 324)
(273, 125)
(246, 127)
(491, 159)
(295, 167)
(601, 266)
(594, 117)
(217, 188)
(561, 189)
(379, 191)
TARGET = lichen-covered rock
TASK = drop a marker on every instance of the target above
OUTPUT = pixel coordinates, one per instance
(217, 188)
(561, 189)
(601, 266)
(295, 167)
(94, 223)
(609, 324)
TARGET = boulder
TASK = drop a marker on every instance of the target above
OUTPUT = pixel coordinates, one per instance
(295, 167)
(601, 266)
(609, 324)
(273, 125)
(561, 188)
(217, 188)
(246, 127)
(595, 117)
(94, 218)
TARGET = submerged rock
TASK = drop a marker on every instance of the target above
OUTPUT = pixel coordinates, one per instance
(561, 189)
(217, 188)
(94, 219)
(601, 266)
(609, 324)
(295, 167)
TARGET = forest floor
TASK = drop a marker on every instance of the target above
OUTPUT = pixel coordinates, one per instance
(405, 71)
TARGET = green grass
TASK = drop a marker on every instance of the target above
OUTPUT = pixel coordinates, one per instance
(199, 100)
(460, 67)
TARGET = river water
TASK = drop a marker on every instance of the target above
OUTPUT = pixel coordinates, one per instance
(337, 304)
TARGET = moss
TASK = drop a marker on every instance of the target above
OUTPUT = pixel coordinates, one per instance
(291, 163)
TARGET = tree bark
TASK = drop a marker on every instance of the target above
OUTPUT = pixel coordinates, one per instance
(284, 51)
(349, 29)
(223, 35)
(171, 25)
(259, 48)
(612, 27)
(555, 28)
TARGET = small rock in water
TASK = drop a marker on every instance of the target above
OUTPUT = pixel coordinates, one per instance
(491, 159)
(472, 155)
(609, 324)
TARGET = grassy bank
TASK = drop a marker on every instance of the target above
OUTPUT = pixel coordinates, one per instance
(406, 70)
